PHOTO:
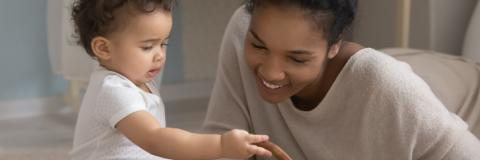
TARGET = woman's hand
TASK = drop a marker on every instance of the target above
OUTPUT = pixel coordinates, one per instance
(240, 144)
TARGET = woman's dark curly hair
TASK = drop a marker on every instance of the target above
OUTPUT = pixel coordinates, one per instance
(332, 16)
(99, 18)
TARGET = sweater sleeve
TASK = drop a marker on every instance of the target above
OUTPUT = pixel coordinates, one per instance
(466, 147)
(427, 129)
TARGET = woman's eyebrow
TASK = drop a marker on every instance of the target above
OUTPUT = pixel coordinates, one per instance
(256, 36)
(296, 51)
(304, 52)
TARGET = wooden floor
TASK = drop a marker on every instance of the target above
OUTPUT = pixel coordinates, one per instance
(49, 137)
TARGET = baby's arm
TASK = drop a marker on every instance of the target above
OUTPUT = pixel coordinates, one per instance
(145, 131)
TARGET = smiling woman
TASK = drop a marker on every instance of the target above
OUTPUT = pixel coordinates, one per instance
(286, 62)
(286, 71)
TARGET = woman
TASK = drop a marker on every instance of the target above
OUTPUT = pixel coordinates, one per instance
(284, 71)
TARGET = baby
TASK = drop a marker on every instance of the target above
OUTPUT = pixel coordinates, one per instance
(122, 115)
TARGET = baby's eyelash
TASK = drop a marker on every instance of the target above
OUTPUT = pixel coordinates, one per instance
(146, 48)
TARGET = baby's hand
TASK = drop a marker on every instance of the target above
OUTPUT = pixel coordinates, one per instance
(239, 144)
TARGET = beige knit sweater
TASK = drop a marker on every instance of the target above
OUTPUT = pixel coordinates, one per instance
(377, 108)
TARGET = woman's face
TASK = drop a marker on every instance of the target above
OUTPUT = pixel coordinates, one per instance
(286, 52)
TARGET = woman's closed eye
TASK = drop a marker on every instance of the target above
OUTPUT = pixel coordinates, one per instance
(297, 60)
(258, 46)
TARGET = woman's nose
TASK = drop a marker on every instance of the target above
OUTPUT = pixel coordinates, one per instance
(272, 71)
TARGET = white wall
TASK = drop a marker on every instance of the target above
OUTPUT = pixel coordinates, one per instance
(450, 20)
(24, 65)
(375, 24)
(438, 25)
(27, 84)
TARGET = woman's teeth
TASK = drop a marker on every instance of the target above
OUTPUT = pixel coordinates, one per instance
(271, 86)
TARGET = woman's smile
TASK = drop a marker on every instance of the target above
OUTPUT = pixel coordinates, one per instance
(272, 86)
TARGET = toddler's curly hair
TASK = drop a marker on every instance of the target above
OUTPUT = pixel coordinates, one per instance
(101, 17)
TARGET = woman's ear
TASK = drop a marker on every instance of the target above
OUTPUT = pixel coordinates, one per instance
(101, 48)
(334, 49)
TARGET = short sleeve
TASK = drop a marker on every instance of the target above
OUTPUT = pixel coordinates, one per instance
(117, 98)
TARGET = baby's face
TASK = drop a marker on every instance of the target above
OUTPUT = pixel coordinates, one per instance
(138, 49)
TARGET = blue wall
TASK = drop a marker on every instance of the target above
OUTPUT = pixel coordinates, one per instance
(24, 65)
(173, 72)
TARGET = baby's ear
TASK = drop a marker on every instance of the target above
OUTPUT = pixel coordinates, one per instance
(334, 49)
(101, 48)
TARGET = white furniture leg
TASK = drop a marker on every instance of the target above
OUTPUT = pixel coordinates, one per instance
(75, 93)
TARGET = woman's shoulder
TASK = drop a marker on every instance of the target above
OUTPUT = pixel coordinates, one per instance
(239, 22)
(383, 73)
(394, 85)
(241, 14)
(364, 58)
(371, 62)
